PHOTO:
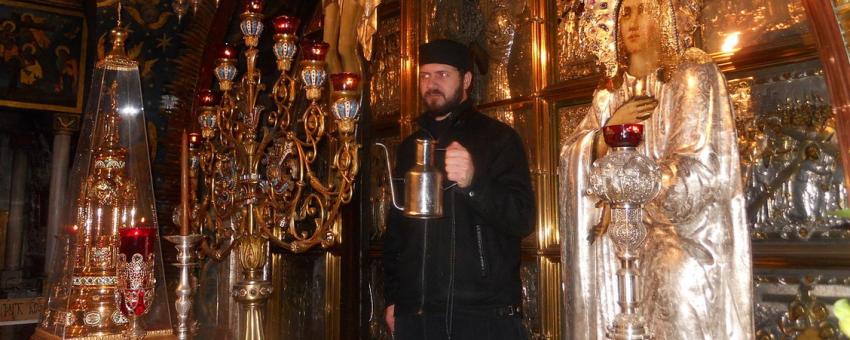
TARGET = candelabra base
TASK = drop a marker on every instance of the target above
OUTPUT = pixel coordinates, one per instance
(252, 296)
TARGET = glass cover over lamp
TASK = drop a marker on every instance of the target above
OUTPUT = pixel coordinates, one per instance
(109, 218)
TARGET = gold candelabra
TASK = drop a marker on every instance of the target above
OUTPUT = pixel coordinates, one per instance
(273, 175)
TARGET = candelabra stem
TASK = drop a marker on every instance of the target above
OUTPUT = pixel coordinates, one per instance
(186, 246)
(628, 233)
(252, 291)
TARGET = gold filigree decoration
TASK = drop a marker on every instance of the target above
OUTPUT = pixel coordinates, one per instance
(807, 318)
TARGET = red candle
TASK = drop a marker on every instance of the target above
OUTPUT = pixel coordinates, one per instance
(345, 81)
(227, 52)
(623, 135)
(314, 50)
(209, 98)
(136, 240)
(254, 6)
(285, 24)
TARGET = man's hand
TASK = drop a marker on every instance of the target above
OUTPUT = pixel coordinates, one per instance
(389, 317)
(634, 111)
(459, 166)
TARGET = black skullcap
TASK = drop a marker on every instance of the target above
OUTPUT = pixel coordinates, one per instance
(448, 52)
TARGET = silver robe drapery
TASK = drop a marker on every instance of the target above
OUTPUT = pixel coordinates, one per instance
(696, 264)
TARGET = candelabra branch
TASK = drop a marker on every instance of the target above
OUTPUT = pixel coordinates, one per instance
(218, 251)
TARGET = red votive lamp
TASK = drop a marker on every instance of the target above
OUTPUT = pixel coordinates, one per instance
(254, 6)
(314, 50)
(136, 240)
(623, 135)
(209, 98)
(227, 52)
(195, 140)
(345, 81)
(285, 24)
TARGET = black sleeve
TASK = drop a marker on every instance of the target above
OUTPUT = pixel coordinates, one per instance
(501, 192)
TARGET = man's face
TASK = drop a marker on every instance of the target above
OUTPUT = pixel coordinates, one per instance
(637, 25)
(442, 87)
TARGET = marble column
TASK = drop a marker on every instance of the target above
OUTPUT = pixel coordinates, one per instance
(64, 126)
(17, 213)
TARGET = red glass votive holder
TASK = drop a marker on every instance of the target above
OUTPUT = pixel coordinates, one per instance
(227, 52)
(285, 24)
(136, 240)
(314, 50)
(623, 135)
(209, 98)
(254, 6)
(345, 81)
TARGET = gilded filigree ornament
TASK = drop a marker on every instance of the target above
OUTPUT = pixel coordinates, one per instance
(575, 58)
(793, 179)
(386, 69)
(806, 315)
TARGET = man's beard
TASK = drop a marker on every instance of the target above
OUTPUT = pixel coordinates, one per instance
(448, 106)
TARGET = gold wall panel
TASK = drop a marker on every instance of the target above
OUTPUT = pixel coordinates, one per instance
(568, 119)
(385, 69)
(499, 32)
(300, 301)
(751, 23)
(530, 276)
(574, 58)
(507, 44)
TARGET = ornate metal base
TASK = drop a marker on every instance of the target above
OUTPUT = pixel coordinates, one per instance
(159, 334)
(628, 327)
(136, 330)
(252, 296)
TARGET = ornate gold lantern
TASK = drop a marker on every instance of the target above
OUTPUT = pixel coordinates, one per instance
(109, 192)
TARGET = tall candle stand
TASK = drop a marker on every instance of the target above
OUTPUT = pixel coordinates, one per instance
(186, 260)
(625, 180)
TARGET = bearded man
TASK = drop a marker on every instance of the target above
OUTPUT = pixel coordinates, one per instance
(459, 276)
